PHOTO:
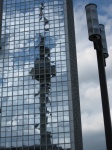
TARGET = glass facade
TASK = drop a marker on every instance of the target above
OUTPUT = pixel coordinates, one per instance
(36, 108)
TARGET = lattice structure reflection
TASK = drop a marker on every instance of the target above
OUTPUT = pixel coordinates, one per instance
(43, 71)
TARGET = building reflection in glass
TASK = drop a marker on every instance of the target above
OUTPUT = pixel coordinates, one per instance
(33, 76)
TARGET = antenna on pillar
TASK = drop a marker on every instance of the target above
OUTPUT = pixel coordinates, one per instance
(104, 41)
(96, 33)
(92, 22)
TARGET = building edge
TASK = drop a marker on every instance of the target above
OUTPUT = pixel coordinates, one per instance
(74, 98)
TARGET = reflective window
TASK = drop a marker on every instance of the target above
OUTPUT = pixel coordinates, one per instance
(33, 75)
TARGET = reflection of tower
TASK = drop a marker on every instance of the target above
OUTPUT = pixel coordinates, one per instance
(0, 123)
(1, 9)
(0, 118)
(43, 71)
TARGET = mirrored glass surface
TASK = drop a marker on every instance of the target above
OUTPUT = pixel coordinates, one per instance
(33, 75)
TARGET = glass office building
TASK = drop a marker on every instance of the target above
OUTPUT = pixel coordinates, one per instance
(39, 97)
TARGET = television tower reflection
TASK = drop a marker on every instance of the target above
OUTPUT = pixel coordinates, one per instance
(43, 71)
